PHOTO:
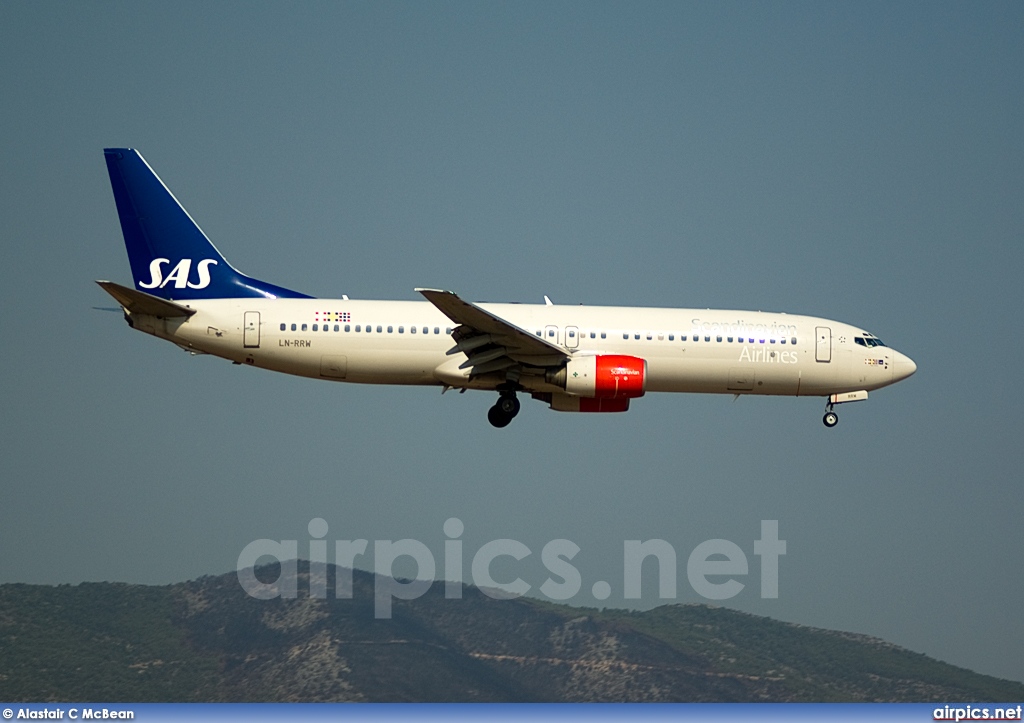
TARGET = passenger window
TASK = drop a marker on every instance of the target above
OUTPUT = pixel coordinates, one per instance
(603, 335)
(782, 340)
(707, 338)
(401, 330)
(348, 327)
(426, 330)
(314, 327)
(772, 340)
(729, 339)
(336, 327)
(358, 328)
(437, 330)
(551, 333)
(283, 327)
(696, 338)
(572, 334)
(625, 336)
(718, 338)
(293, 327)
(682, 337)
(649, 337)
(593, 335)
(412, 329)
(636, 336)
(391, 330)
(379, 329)
(793, 340)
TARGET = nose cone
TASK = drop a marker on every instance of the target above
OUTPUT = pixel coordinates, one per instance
(903, 366)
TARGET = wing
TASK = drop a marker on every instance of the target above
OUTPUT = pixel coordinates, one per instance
(489, 342)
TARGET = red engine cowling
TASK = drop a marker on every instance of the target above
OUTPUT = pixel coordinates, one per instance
(620, 376)
(610, 376)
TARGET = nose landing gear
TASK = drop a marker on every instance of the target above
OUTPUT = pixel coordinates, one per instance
(504, 410)
(830, 419)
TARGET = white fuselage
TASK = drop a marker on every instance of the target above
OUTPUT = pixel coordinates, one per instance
(405, 342)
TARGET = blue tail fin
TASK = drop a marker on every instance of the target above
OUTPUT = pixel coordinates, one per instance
(170, 255)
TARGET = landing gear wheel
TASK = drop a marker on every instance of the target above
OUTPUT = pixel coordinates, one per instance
(830, 419)
(497, 417)
(508, 405)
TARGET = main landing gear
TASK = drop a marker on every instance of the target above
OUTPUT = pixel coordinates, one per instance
(504, 410)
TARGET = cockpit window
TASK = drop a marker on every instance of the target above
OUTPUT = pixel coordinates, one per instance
(868, 341)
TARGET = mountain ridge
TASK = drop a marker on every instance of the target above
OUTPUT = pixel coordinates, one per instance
(207, 640)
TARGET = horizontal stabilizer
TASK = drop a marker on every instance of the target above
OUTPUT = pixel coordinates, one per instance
(139, 302)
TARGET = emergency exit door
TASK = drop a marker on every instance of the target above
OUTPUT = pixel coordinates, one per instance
(251, 330)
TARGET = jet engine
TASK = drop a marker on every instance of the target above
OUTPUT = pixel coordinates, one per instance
(603, 383)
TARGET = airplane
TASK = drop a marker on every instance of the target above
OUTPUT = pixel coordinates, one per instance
(573, 358)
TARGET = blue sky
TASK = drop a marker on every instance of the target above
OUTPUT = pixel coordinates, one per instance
(860, 162)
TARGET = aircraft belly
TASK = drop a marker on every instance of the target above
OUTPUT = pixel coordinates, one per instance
(817, 378)
(392, 367)
(781, 379)
(309, 355)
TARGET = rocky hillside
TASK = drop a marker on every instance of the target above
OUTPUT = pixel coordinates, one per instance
(206, 640)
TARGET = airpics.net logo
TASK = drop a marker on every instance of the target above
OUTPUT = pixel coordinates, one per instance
(713, 568)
